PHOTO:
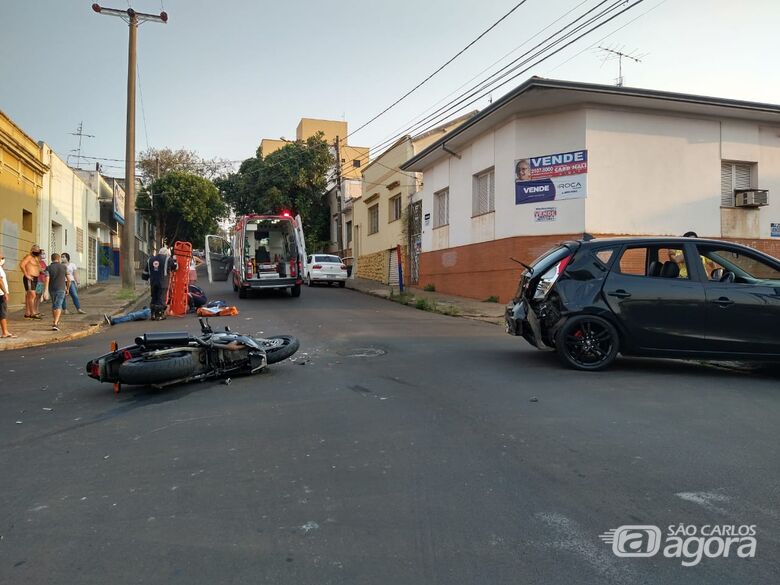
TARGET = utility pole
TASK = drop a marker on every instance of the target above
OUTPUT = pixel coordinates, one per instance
(339, 219)
(158, 212)
(619, 55)
(80, 133)
(127, 249)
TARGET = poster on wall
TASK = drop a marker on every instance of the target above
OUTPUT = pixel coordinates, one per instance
(545, 214)
(119, 203)
(774, 230)
(551, 177)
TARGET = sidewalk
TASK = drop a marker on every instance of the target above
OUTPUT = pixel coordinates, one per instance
(447, 304)
(102, 297)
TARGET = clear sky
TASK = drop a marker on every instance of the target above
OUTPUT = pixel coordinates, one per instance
(222, 74)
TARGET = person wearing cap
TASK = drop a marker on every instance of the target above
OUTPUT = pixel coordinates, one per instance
(31, 269)
(4, 333)
(159, 268)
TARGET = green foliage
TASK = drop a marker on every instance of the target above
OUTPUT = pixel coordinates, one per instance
(491, 299)
(450, 310)
(424, 305)
(156, 162)
(429, 287)
(293, 178)
(186, 207)
(126, 294)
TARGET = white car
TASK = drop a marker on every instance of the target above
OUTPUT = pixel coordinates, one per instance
(325, 268)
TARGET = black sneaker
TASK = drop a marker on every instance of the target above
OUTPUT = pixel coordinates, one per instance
(55, 328)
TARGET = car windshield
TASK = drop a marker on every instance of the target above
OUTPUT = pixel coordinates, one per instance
(328, 259)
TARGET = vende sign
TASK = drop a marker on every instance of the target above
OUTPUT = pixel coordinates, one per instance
(551, 177)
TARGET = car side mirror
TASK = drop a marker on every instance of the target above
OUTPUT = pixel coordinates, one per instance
(716, 274)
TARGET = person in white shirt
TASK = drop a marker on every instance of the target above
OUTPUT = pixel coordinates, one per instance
(72, 284)
(4, 333)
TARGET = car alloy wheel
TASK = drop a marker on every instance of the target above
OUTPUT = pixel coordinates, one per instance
(587, 342)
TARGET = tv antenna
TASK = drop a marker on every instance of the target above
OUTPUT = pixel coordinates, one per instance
(80, 133)
(619, 54)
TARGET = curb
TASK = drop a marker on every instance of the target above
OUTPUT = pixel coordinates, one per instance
(481, 318)
(90, 330)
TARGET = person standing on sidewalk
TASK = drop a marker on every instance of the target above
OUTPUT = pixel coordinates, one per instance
(56, 286)
(40, 287)
(159, 268)
(31, 268)
(72, 284)
(4, 333)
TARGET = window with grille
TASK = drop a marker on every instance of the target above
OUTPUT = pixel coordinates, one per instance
(441, 208)
(483, 199)
(395, 208)
(734, 175)
(349, 232)
(373, 219)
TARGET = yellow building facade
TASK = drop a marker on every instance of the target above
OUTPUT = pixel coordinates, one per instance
(352, 157)
(21, 180)
(380, 217)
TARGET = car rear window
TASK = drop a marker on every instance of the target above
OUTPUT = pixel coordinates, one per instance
(328, 259)
(549, 258)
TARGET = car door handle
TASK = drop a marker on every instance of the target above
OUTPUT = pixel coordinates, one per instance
(723, 302)
(620, 293)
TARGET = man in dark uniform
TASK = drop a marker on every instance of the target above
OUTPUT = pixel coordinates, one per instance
(159, 268)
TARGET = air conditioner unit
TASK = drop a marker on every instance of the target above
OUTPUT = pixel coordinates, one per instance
(751, 197)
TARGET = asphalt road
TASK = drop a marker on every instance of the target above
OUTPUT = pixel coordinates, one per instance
(410, 448)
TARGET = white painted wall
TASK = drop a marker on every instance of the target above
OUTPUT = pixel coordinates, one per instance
(519, 138)
(67, 201)
(648, 173)
(769, 176)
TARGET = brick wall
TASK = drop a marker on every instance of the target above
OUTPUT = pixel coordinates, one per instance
(373, 266)
(482, 270)
(485, 269)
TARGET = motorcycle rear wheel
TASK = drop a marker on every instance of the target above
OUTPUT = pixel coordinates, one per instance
(140, 371)
(285, 347)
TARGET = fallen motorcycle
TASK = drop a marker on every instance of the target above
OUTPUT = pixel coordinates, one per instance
(165, 358)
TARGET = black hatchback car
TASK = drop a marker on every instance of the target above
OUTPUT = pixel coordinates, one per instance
(665, 297)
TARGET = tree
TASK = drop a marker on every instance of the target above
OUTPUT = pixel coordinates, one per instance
(293, 178)
(185, 206)
(156, 162)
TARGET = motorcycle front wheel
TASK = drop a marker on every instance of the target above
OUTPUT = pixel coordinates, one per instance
(280, 347)
(140, 371)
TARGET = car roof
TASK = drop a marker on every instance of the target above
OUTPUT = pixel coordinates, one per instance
(653, 240)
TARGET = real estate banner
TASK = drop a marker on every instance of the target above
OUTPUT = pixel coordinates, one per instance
(551, 177)
(119, 203)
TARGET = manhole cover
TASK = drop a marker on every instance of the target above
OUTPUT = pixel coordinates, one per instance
(364, 352)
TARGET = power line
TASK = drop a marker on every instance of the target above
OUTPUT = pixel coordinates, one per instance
(424, 81)
(451, 106)
(544, 58)
(649, 10)
(143, 110)
(453, 92)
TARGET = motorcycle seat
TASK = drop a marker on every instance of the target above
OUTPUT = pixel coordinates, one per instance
(165, 338)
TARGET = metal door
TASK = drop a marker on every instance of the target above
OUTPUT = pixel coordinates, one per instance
(415, 240)
(392, 277)
(219, 258)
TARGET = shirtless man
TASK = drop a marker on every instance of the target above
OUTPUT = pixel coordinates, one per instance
(31, 269)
